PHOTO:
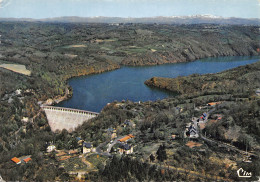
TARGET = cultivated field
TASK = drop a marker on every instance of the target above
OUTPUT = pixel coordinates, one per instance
(16, 68)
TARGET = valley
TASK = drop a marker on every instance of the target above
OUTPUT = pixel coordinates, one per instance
(150, 140)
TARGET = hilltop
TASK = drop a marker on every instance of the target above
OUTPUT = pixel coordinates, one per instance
(194, 19)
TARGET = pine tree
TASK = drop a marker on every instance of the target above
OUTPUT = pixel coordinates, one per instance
(161, 153)
(152, 158)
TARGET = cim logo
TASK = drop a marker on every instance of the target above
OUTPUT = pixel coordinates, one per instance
(243, 174)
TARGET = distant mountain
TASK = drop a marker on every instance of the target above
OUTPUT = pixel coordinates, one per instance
(195, 19)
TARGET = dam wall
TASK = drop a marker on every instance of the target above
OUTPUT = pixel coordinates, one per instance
(60, 118)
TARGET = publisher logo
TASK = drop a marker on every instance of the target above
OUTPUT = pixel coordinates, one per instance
(243, 174)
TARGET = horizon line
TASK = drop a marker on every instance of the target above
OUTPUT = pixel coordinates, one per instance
(189, 16)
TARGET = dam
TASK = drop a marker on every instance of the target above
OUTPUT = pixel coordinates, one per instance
(60, 118)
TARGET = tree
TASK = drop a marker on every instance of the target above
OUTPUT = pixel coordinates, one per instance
(161, 153)
(74, 143)
(152, 158)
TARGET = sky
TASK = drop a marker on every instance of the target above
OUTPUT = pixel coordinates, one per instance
(128, 8)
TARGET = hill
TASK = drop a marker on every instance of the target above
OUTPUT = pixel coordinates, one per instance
(195, 19)
(244, 79)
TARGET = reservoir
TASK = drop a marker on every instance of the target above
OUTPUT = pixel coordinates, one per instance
(93, 92)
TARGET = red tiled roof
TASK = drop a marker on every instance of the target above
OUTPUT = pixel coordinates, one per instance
(130, 135)
(126, 138)
(27, 159)
(214, 103)
(16, 160)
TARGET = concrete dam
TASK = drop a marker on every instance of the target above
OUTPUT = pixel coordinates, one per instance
(60, 118)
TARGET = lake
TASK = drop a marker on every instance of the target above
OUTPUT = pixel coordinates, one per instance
(93, 92)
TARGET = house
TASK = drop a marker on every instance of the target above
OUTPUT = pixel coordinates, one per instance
(192, 131)
(16, 160)
(86, 147)
(51, 148)
(113, 135)
(213, 103)
(79, 140)
(128, 123)
(219, 116)
(179, 109)
(126, 138)
(18, 92)
(257, 92)
(25, 119)
(30, 92)
(192, 128)
(26, 160)
(125, 149)
(49, 102)
(112, 132)
(173, 137)
(188, 125)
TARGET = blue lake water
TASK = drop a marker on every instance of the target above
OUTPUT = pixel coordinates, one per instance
(93, 92)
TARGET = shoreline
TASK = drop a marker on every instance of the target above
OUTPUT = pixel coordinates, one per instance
(160, 60)
(59, 99)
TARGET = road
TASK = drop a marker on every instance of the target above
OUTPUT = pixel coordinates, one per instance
(107, 153)
(99, 151)
(229, 146)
